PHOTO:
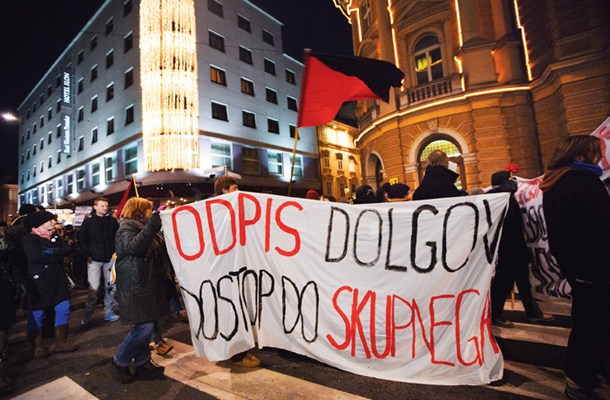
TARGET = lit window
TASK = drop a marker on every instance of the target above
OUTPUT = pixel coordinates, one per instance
(69, 184)
(219, 111)
(60, 188)
(243, 23)
(80, 179)
(111, 168)
(218, 76)
(95, 174)
(298, 166)
(339, 161)
(221, 154)
(247, 87)
(216, 41)
(249, 119)
(428, 60)
(326, 160)
(131, 160)
(274, 160)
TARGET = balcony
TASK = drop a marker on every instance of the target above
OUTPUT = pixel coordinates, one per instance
(431, 91)
(368, 117)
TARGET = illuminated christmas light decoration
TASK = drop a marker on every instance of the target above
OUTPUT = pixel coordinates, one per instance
(393, 33)
(170, 98)
(525, 49)
(458, 62)
(459, 22)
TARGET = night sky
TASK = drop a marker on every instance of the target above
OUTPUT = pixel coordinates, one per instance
(34, 33)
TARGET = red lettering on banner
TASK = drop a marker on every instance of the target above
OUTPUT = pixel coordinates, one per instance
(208, 207)
(267, 224)
(458, 342)
(396, 327)
(486, 323)
(199, 233)
(287, 229)
(356, 324)
(389, 338)
(434, 324)
(243, 222)
(345, 321)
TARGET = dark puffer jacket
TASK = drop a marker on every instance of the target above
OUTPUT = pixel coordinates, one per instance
(140, 265)
(47, 284)
(438, 182)
(97, 235)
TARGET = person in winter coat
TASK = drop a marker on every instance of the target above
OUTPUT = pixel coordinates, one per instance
(47, 283)
(96, 238)
(141, 287)
(577, 213)
(439, 180)
(513, 259)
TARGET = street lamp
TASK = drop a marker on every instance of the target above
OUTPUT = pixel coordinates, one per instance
(9, 117)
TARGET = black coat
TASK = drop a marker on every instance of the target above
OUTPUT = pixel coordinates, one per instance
(8, 282)
(97, 235)
(577, 214)
(140, 271)
(438, 182)
(47, 284)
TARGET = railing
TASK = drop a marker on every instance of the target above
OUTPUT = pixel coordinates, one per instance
(367, 118)
(432, 91)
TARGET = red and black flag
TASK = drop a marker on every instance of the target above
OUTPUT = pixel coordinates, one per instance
(132, 191)
(331, 80)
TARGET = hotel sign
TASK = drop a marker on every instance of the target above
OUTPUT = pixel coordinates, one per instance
(66, 127)
(66, 115)
(66, 97)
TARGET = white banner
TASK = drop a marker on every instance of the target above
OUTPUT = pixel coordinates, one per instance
(397, 291)
(603, 133)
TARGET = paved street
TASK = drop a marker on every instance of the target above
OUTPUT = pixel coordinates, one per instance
(533, 355)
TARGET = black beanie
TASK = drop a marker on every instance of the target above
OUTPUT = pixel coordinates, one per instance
(398, 191)
(34, 220)
(26, 209)
(499, 178)
(364, 195)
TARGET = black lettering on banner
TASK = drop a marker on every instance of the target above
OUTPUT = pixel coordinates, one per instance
(432, 245)
(244, 297)
(380, 237)
(299, 314)
(535, 227)
(490, 250)
(199, 300)
(262, 294)
(241, 303)
(221, 297)
(474, 237)
(389, 266)
(330, 231)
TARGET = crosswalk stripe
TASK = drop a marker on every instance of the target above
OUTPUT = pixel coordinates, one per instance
(59, 389)
(228, 382)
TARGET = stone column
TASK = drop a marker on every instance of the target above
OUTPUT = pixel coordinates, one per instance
(386, 45)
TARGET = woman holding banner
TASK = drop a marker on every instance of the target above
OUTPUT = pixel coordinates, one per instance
(141, 290)
(577, 212)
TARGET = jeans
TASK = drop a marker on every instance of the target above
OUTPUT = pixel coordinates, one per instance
(62, 311)
(135, 346)
(95, 271)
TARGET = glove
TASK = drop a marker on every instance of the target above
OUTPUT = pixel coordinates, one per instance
(48, 251)
(20, 292)
(155, 221)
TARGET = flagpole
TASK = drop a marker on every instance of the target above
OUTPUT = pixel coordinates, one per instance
(135, 186)
(294, 152)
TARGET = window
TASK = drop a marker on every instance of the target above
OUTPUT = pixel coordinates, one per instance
(109, 26)
(110, 126)
(271, 95)
(269, 67)
(95, 174)
(291, 77)
(245, 55)
(111, 168)
(41, 144)
(268, 37)
(58, 131)
(81, 143)
(243, 23)
(41, 121)
(352, 165)
(22, 139)
(22, 158)
(250, 162)
(215, 7)
(219, 111)
(274, 160)
(127, 6)
(247, 87)
(94, 73)
(60, 188)
(339, 161)
(129, 115)
(128, 42)
(80, 57)
(69, 184)
(80, 86)
(326, 161)
(34, 171)
(216, 41)
(293, 131)
(109, 59)
(93, 135)
(93, 43)
(109, 92)
(50, 114)
(428, 60)
(41, 167)
(80, 179)
(131, 160)
(298, 167)
(221, 154)
(50, 163)
(218, 76)
(128, 78)
(58, 156)
(58, 80)
(58, 106)
(34, 129)
(41, 99)
(248, 119)
(292, 103)
(50, 89)
(28, 134)
(273, 126)
(93, 104)
(22, 176)
(50, 137)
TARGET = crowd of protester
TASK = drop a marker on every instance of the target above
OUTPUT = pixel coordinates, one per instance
(42, 260)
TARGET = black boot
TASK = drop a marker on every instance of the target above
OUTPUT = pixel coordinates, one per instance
(122, 373)
(35, 337)
(149, 370)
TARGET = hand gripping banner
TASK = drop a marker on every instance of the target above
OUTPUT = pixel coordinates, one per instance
(397, 291)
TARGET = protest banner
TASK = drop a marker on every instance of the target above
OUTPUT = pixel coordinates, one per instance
(398, 291)
(603, 133)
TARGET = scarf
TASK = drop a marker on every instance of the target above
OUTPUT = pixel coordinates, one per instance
(586, 167)
(553, 176)
(42, 234)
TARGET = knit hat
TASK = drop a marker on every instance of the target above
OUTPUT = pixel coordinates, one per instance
(398, 191)
(364, 195)
(312, 195)
(26, 209)
(34, 220)
(499, 178)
